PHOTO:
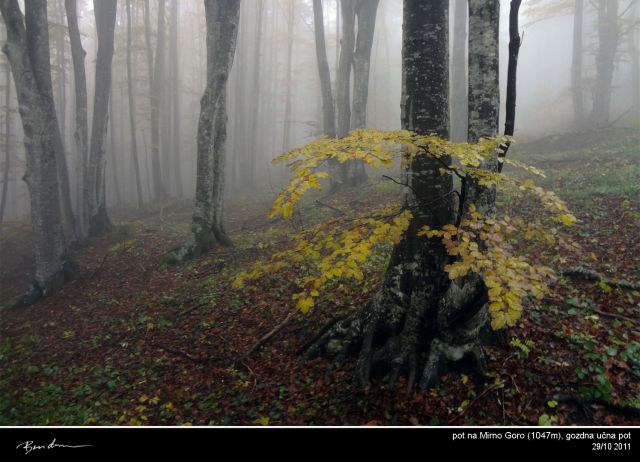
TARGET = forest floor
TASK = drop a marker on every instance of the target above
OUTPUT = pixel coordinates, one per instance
(132, 341)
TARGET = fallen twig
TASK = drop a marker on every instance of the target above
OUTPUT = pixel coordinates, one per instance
(177, 352)
(267, 337)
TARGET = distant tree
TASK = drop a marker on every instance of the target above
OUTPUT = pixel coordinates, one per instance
(577, 66)
(328, 110)
(608, 41)
(27, 49)
(105, 16)
(81, 135)
(132, 108)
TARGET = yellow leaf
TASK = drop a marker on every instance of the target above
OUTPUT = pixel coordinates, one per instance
(304, 304)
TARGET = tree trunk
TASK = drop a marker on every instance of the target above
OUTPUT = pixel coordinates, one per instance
(132, 109)
(105, 13)
(81, 135)
(223, 18)
(608, 37)
(7, 143)
(255, 96)
(459, 81)
(576, 66)
(366, 12)
(28, 53)
(635, 62)
(401, 329)
(157, 84)
(347, 45)
(328, 112)
(175, 98)
(286, 136)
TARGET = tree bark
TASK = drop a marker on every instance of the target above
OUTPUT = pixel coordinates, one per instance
(459, 81)
(81, 135)
(576, 66)
(132, 109)
(400, 330)
(28, 54)
(105, 13)
(223, 18)
(328, 111)
(7, 143)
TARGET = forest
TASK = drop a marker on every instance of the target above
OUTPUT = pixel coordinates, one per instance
(320, 213)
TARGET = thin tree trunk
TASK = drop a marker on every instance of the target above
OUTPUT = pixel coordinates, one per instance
(81, 135)
(366, 12)
(132, 109)
(286, 137)
(175, 98)
(157, 84)
(222, 29)
(608, 37)
(114, 153)
(255, 95)
(576, 66)
(328, 110)
(105, 12)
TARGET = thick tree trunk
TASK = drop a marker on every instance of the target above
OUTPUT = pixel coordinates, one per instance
(608, 38)
(105, 13)
(328, 110)
(28, 53)
(132, 109)
(459, 81)
(175, 98)
(222, 28)
(576, 66)
(81, 135)
(403, 328)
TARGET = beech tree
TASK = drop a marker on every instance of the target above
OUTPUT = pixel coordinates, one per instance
(27, 50)
(223, 17)
(105, 16)
(450, 271)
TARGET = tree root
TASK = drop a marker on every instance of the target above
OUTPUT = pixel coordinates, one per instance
(590, 275)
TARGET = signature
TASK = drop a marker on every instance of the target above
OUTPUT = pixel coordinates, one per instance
(29, 446)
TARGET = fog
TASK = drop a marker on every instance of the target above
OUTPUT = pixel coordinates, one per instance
(258, 109)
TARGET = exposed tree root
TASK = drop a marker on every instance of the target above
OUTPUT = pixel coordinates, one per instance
(268, 336)
(590, 275)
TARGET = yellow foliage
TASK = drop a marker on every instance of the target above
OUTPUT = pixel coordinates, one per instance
(338, 249)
